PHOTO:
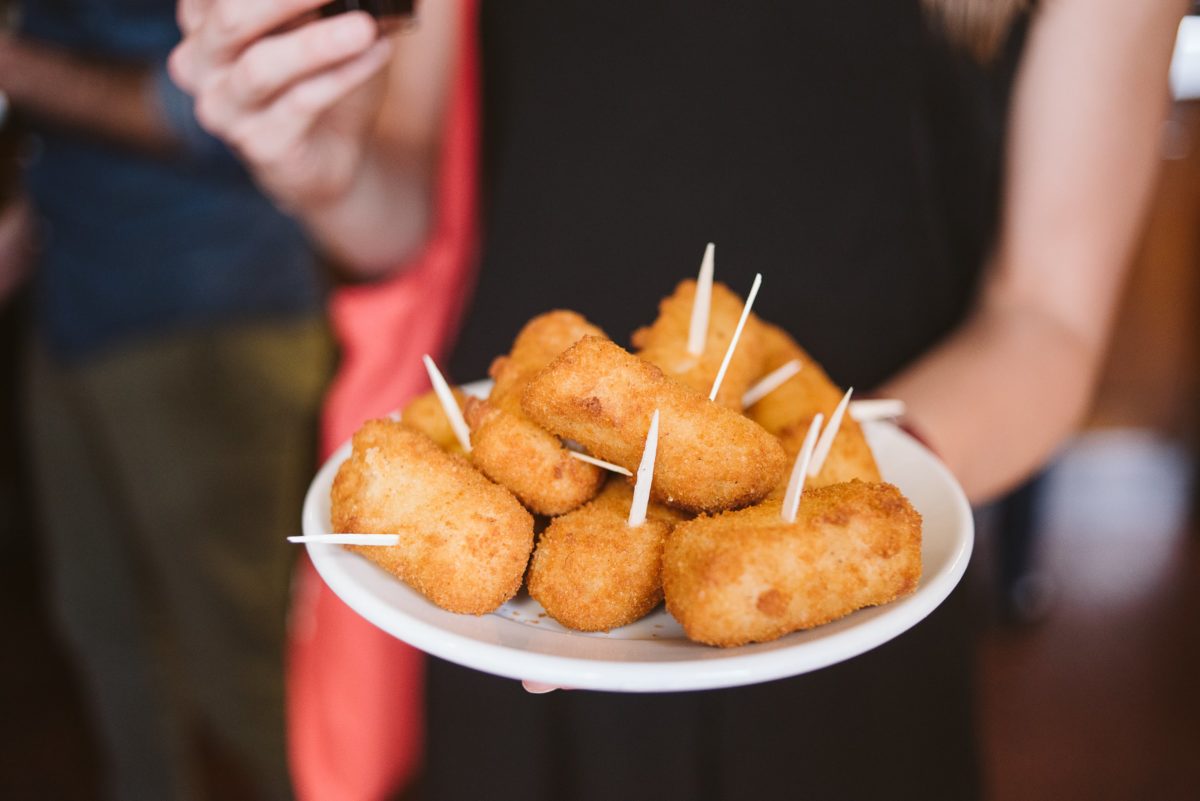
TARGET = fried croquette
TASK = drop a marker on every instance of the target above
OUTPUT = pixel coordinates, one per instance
(425, 414)
(513, 450)
(464, 541)
(709, 458)
(537, 344)
(788, 411)
(529, 461)
(592, 571)
(802, 396)
(665, 343)
(849, 458)
(747, 576)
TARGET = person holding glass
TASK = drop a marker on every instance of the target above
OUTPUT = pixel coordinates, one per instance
(942, 197)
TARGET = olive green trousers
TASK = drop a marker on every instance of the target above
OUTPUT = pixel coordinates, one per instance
(168, 476)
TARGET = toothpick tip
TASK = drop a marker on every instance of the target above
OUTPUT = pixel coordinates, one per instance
(800, 468)
(771, 382)
(614, 468)
(701, 304)
(737, 335)
(380, 540)
(645, 475)
(825, 444)
(449, 404)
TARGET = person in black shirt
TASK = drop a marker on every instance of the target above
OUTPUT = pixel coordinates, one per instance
(933, 230)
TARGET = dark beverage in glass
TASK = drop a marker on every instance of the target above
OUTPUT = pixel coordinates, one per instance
(380, 9)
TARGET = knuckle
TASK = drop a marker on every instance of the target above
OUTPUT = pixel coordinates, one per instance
(305, 101)
(251, 150)
(252, 76)
(299, 104)
(207, 111)
(179, 67)
(263, 152)
(227, 18)
(189, 15)
(244, 139)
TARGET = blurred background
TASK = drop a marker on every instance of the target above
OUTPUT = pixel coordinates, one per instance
(1090, 573)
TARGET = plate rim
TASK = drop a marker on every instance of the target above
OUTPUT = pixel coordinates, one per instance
(636, 676)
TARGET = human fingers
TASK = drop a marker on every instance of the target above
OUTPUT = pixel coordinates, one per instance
(538, 688)
(265, 138)
(230, 25)
(275, 63)
(190, 14)
(216, 31)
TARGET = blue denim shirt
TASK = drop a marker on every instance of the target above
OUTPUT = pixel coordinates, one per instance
(137, 246)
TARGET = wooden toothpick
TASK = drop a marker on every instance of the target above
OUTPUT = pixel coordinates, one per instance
(827, 436)
(771, 382)
(737, 334)
(866, 411)
(795, 487)
(702, 304)
(449, 404)
(349, 539)
(645, 476)
(615, 468)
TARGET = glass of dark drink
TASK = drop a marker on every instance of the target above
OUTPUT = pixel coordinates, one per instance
(388, 12)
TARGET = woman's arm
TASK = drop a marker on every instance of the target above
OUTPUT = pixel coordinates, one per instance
(98, 98)
(1005, 390)
(16, 246)
(340, 127)
(388, 211)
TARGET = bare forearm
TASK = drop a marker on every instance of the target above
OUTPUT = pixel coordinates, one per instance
(1005, 390)
(999, 397)
(341, 127)
(388, 212)
(16, 246)
(108, 100)
(381, 219)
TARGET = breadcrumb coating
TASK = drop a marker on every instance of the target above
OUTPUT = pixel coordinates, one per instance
(592, 572)
(464, 541)
(664, 343)
(800, 397)
(709, 458)
(425, 414)
(513, 450)
(747, 576)
(849, 458)
(789, 410)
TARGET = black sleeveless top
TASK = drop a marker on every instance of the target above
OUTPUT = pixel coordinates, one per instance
(851, 157)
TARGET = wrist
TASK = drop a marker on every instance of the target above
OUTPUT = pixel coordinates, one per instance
(342, 196)
(917, 432)
(361, 227)
(13, 55)
(8, 47)
(328, 195)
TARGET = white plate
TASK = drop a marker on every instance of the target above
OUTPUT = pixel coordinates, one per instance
(519, 641)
